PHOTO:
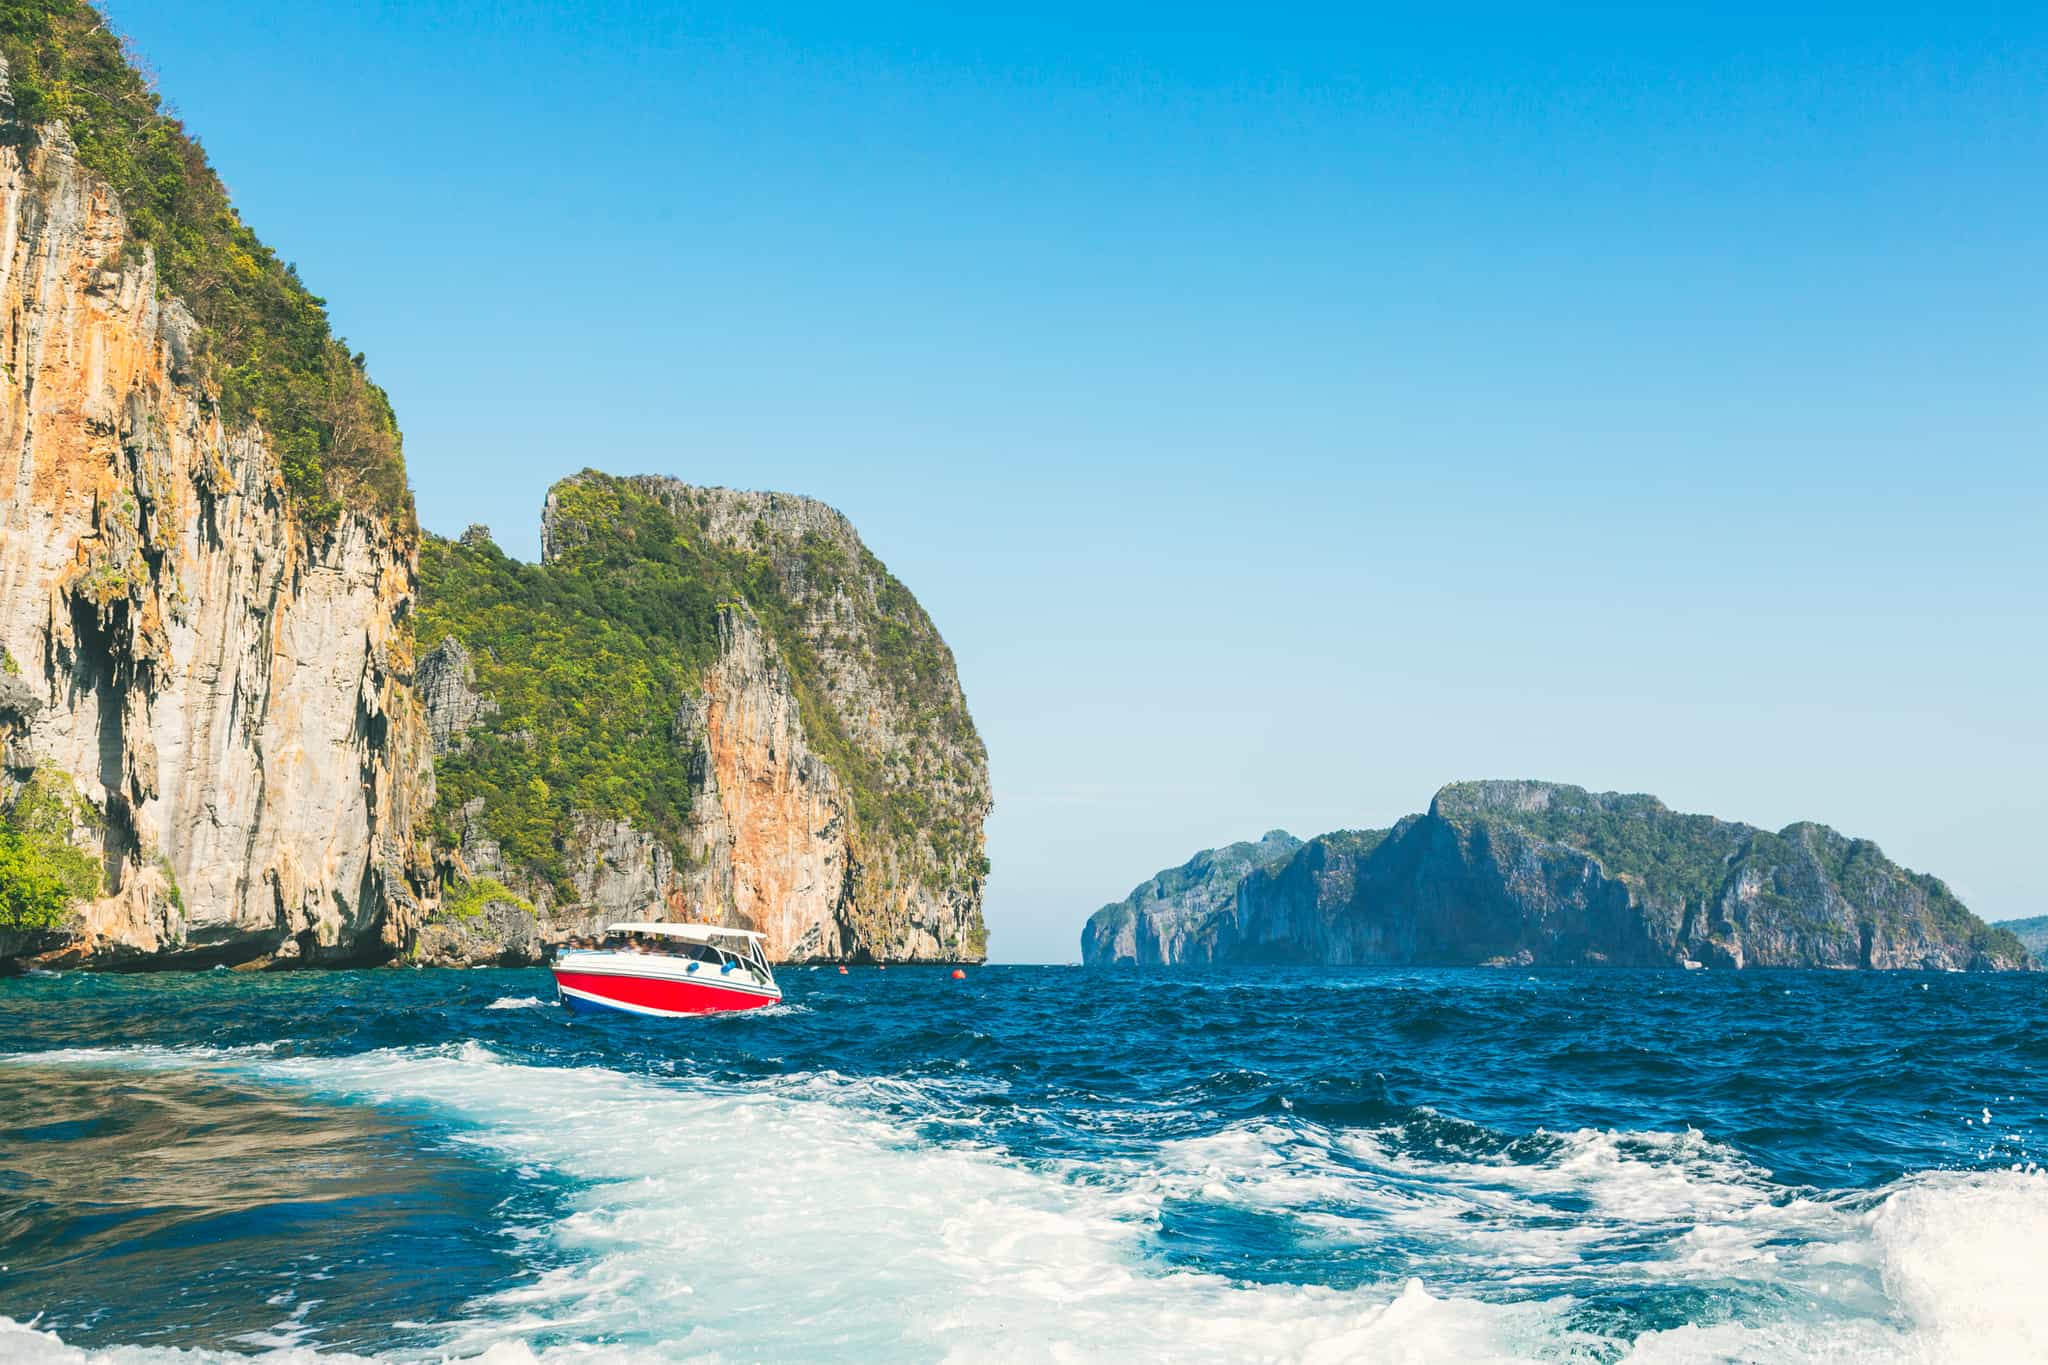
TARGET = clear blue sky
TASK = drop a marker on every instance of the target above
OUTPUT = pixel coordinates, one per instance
(1282, 412)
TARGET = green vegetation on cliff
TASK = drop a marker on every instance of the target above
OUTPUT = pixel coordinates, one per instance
(42, 877)
(587, 668)
(1696, 859)
(469, 899)
(1867, 879)
(264, 341)
(1635, 837)
(1349, 843)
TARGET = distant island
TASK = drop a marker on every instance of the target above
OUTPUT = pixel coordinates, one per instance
(2032, 931)
(1518, 873)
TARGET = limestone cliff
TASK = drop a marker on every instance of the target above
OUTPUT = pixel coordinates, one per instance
(701, 703)
(214, 682)
(1536, 873)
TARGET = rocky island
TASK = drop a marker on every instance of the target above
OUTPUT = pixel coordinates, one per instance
(711, 700)
(1543, 874)
(251, 715)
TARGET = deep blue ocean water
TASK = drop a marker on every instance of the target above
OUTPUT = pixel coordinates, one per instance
(1032, 1163)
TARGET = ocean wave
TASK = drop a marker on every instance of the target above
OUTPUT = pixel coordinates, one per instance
(812, 1216)
(517, 1002)
(1958, 1256)
(150, 1055)
(781, 1009)
(22, 1343)
(734, 1198)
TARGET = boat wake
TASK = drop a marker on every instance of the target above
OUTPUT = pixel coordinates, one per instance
(815, 1216)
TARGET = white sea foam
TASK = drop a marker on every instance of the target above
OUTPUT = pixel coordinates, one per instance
(792, 1219)
(770, 1221)
(517, 1002)
(24, 1344)
(148, 1056)
(1960, 1255)
(1591, 1209)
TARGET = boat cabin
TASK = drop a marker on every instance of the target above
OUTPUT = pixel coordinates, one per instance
(712, 944)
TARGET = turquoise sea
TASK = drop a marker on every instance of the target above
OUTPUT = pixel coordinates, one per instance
(1035, 1163)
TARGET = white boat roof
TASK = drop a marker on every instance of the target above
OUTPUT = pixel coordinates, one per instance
(694, 933)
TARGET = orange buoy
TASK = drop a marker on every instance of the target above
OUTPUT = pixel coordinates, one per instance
(959, 975)
(842, 969)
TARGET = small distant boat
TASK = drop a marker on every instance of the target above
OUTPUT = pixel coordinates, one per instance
(668, 970)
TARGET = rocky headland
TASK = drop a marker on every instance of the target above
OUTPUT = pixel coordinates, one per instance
(701, 699)
(1543, 874)
(250, 715)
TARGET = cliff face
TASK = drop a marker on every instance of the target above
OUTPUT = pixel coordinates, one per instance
(734, 712)
(219, 692)
(1177, 915)
(1531, 873)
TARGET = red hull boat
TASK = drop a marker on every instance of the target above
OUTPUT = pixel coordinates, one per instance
(668, 970)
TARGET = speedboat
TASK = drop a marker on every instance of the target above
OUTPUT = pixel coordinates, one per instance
(667, 969)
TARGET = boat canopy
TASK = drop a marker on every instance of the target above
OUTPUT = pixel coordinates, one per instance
(692, 933)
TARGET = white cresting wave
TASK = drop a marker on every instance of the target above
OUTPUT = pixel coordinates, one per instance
(790, 1220)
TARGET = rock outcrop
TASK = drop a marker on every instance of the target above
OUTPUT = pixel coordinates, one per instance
(1540, 874)
(779, 740)
(446, 683)
(1177, 914)
(502, 931)
(224, 685)
(771, 842)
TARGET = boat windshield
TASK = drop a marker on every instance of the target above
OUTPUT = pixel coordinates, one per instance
(737, 950)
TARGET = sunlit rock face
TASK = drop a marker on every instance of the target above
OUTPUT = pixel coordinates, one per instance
(226, 690)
